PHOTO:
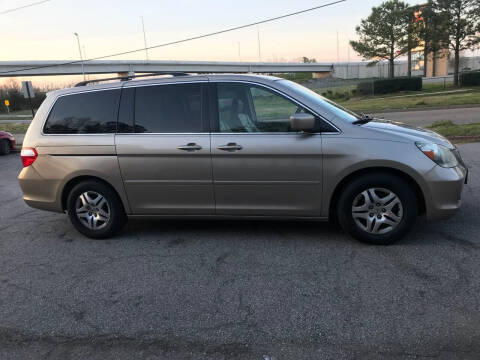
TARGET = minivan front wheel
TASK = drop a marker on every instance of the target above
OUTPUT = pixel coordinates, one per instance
(95, 209)
(377, 208)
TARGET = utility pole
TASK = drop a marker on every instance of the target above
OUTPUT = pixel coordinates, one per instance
(144, 39)
(80, 51)
(259, 51)
(239, 54)
(348, 51)
(338, 50)
(348, 58)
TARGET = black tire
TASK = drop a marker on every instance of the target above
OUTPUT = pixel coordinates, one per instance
(390, 182)
(4, 147)
(117, 217)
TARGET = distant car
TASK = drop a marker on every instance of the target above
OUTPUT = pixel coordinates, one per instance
(7, 143)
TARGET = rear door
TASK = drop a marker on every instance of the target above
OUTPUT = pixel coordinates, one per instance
(163, 147)
(261, 167)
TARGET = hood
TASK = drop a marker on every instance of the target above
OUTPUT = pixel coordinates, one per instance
(408, 132)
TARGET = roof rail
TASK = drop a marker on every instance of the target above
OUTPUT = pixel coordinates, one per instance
(130, 77)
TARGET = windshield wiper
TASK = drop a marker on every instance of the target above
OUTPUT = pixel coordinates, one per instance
(364, 118)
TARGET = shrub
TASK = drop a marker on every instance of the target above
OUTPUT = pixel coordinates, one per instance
(365, 88)
(301, 77)
(470, 78)
(17, 101)
(385, 86)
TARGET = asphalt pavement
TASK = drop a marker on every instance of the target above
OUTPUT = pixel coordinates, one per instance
(236, 290)
(425, 117)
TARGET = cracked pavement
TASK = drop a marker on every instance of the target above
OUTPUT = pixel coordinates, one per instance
(236, 290)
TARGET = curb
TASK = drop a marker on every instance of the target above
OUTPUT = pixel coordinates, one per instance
(423, 109)
(464, 138)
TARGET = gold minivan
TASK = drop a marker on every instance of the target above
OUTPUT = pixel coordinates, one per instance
(231, 146)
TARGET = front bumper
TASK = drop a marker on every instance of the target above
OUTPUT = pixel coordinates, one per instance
(444, 186)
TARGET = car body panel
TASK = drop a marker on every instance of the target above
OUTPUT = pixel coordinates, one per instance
(343, 157)
(273, 174)
(161, 179)
(43, 182)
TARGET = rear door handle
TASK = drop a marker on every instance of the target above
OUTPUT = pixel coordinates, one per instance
(230, 147)
(190, 147)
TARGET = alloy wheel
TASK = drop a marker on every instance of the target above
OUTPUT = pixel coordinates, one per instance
(377, 211)
(93, 210)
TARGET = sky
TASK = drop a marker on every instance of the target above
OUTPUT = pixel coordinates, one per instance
(46, 31)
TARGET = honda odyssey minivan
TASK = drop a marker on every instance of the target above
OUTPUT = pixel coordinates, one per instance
(231, 146)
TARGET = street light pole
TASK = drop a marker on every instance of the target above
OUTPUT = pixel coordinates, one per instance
(80, 51)
(85, 57)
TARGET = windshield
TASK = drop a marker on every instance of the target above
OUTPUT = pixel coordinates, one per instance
(334, 108)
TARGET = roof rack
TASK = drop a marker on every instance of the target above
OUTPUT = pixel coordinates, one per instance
(130, 77)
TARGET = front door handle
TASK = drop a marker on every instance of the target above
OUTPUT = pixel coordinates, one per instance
(230, 147)
(190, 147)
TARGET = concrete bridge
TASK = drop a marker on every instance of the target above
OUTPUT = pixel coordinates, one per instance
(59, 67)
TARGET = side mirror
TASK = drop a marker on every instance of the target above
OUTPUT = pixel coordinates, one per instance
(303, 122)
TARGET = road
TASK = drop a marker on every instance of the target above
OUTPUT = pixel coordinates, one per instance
(426, 117)
(236, 290)
(15, 121)
(421, 118)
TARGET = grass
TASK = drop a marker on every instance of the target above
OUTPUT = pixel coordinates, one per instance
(348, 96)
(369, 104)
(449, 129)
(14, 128)
(19, 112)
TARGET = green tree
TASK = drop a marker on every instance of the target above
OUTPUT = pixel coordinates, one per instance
(307, 60)
(462, 24)
(383, 35)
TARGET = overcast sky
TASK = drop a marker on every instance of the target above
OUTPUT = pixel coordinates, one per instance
(45, 31)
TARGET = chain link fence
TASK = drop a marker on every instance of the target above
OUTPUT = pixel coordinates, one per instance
(341, 89)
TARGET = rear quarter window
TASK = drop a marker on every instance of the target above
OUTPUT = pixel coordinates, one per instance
(85, 113)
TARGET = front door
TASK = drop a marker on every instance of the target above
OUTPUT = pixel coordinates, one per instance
(163, 149)
(261, 167)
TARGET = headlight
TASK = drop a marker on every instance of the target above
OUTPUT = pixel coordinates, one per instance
(442, 155)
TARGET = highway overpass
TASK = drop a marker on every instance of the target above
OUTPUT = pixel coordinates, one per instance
(59, 67)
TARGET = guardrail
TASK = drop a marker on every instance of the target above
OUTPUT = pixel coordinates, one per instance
(42, 68)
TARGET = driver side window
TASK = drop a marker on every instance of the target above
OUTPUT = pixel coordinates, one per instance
(250, 108)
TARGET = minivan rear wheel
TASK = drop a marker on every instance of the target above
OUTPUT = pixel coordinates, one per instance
(377, 208)
(95, 210)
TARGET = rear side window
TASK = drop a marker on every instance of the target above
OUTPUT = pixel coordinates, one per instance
(86, 113)
(168, 108)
